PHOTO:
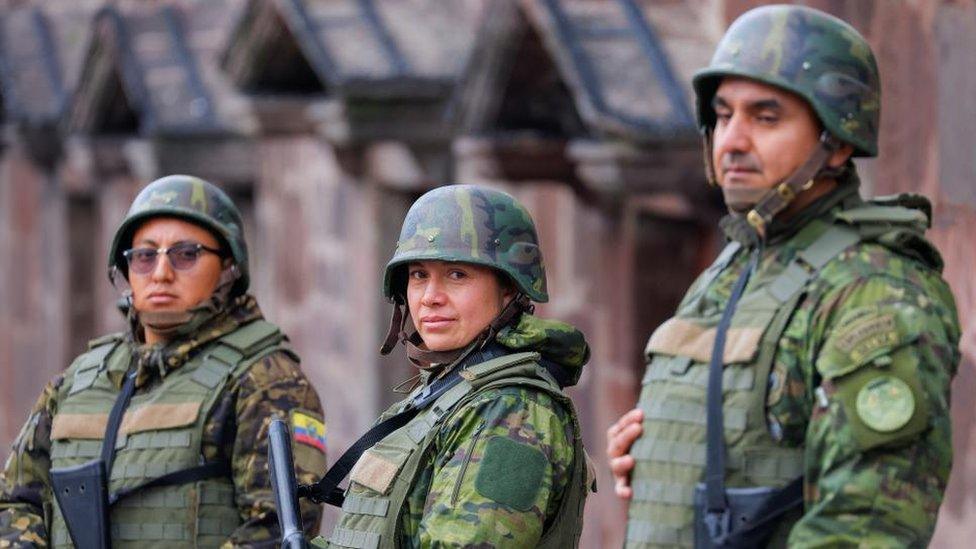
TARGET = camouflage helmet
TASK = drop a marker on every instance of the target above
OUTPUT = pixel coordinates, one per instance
(191, 199)
(470, 224)
(810, 53)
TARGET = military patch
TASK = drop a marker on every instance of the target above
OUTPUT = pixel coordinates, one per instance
(885, 404)
(868, 335)
(511, 473)
(308, 430)
(375, 471)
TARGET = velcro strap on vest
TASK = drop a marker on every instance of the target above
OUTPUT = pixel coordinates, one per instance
(781, 464)
(690, 412)
(76, 449)
(482, 374)
(90, 364)
(252, 337)
(159, 499)
(158, 439)
(377, 507)
(733, 378)
(642, 531)
(234, 348)
(128, 531)
(344, 537)
(217, 365)
(175, 476)
(83, 379)
(674, 493)
(129, 471)
(835, 240)
(810, 260)
(884, 214)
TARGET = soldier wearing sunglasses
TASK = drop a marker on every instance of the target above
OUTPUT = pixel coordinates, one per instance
(185, 392)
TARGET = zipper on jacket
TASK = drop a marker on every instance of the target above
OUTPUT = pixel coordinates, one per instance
(464, 466)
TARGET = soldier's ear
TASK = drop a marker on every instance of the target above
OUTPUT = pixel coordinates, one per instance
(507, 286)
(840, 156)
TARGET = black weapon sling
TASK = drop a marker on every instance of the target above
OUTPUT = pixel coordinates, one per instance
(327, 490)
(736, 517)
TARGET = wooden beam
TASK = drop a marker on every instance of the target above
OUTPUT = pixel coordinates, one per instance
(514, 158)
(621, 169)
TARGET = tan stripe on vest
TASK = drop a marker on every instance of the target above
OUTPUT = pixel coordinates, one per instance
(681, 337)
(152, 417)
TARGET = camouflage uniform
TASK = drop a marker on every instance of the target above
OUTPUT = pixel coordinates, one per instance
(498, 462)
(452, 502)
(232, 432)
(840, 354)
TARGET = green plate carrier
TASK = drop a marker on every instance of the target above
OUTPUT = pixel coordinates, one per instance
(161, 432)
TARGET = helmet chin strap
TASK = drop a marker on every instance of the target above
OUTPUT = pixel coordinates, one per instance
(760, 206)
(396, 332)
(170, 323)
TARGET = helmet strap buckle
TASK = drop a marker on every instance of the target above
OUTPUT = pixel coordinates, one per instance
(781, 196)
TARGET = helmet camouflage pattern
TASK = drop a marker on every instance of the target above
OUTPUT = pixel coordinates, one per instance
(191, 199)
(810, 53)
(470, 224)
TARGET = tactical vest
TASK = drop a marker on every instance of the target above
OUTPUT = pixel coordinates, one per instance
(670, 454)
(383, 477)
(161, 432)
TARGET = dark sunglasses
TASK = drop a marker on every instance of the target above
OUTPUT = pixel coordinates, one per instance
(182, 256)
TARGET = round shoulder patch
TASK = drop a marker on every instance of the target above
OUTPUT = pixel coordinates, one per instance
(885, 404)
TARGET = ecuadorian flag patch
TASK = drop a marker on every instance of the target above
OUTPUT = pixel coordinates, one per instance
(308, 430)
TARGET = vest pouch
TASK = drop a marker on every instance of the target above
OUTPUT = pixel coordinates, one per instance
(82, 495)
(379, 466)
(752, 517)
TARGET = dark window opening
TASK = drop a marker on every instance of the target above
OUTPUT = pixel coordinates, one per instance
(535, 96)
(114, 114)
(278, 65)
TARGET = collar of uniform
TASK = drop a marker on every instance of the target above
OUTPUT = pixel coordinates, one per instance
(162, 358)
(845, 194)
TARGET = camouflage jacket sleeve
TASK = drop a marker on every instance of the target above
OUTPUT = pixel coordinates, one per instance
(882, 352)
(275, 386)
(25, 492)
(501, 466)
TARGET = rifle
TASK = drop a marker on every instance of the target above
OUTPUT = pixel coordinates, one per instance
(282, 471)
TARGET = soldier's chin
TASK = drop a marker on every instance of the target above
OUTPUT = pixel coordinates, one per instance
(164, 320)
(739, 200)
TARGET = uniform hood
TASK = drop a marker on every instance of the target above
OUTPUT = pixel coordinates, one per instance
(559, 343)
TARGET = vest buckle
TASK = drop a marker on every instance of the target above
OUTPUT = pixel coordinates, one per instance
(718, 524)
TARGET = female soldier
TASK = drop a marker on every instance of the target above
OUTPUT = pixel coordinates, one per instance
(494, 458)
(197, 374)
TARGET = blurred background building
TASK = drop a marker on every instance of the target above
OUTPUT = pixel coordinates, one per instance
(325, 119)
